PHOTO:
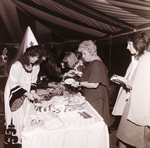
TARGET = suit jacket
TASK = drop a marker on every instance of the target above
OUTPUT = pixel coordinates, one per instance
(122, 96)
(139, 111)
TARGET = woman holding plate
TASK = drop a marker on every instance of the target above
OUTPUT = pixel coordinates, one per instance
(94, 81)
(133, 101)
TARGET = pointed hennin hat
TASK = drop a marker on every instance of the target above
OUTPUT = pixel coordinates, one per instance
(28, 41)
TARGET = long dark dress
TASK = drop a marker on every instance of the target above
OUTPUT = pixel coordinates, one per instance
(95, 72)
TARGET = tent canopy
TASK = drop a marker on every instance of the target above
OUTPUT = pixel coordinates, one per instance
(61, 20)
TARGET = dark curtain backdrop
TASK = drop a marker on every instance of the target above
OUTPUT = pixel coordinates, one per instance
(114, 54)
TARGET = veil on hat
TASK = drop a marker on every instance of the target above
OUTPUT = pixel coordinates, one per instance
(28, 41)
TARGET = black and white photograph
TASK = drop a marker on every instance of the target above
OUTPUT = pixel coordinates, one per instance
(74, 73)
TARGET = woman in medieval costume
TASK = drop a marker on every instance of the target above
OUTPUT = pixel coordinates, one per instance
(19, 92)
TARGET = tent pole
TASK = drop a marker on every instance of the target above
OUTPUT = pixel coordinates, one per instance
(127, 33)
(110, 54)
(51, 45)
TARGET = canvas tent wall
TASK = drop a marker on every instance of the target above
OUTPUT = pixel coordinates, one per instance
(59, 21)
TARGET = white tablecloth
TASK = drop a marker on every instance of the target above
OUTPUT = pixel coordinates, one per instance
(85, 135)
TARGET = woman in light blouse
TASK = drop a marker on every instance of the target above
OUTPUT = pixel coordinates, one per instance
(133, 130)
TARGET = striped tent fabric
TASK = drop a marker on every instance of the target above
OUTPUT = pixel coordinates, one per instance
(59, 20)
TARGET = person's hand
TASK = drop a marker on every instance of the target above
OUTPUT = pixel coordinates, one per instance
(35, 96)
(80, 74)
(71, 71)
(67, 75)
(118, 79)
(29, 95)
(75, 84)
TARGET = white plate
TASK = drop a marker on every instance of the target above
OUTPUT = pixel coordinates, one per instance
(69, 81)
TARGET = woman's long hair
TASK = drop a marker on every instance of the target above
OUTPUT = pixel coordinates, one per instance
(70, 58)
(31, 51)
(140, 42)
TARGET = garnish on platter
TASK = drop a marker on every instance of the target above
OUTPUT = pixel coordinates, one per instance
(35, 121)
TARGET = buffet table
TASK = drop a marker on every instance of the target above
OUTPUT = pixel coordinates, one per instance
(89, 132)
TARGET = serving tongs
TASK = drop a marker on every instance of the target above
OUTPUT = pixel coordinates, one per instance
(85, 115)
